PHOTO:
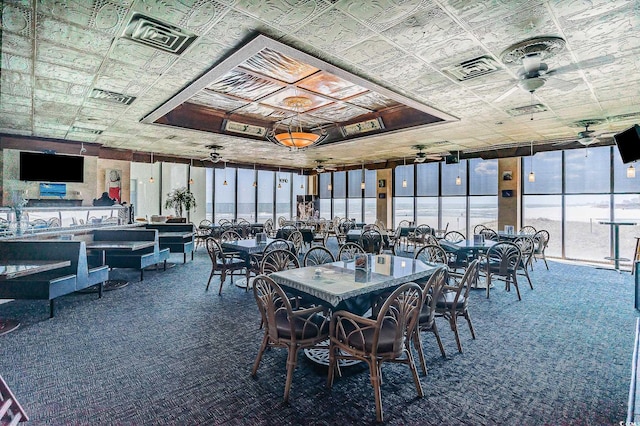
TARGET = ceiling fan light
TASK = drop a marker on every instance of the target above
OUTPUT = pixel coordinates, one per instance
(588, 141)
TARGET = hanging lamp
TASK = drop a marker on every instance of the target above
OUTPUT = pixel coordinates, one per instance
(151, 179)
(532, 176)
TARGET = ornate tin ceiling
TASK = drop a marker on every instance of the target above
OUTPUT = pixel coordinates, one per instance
(108, 71)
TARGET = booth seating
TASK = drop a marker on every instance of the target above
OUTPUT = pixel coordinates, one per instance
(137, 259)
(55, 283)
(182, 240)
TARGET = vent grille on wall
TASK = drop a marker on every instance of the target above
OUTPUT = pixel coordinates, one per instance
(158, 35)
(473, 68)
(106, 95)
(86, 130)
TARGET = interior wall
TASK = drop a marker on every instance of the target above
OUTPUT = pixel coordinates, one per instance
(384, 198)
(509, 193)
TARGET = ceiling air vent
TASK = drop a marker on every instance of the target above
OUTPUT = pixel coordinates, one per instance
(86, 130)
(106, 95)
(527, 109)
(473, 68)
(156, 34)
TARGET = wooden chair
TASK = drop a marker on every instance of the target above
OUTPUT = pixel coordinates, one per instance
(431, 293)
(297, 240)
(419, 236)
(385, 338)
(278, 260)
(454, 236)
(527, 230)
(501, 262)
(285, 327)
(526, 245)
(432, 253)
(541, 241)
(454, 301)
(202, 233)
(317, 255)
(348, 251)
(221, 263)
(490, 234)
(11, 412)
(478, 228)
(371, 241)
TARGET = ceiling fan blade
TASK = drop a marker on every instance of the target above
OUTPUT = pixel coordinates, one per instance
(557, 83)
(564, 143)
(531, 62)
(506, 94)
(589, 63)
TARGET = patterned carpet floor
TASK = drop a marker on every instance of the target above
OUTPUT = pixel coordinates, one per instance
(164, 351)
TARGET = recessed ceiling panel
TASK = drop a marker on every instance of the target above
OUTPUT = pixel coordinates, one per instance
(243, 85)
(269, 84)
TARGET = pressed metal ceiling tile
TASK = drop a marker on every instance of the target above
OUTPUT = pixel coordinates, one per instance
(59, 72)
(43, 95)
(381, 14)
(243, 85)
(64, 34)
(424, 28)
(374, 52)
(59, 55)
(333, 32)
(16, 63)
(17, 45)
(331, 85)
(452, 51)
(211, 99)
(143, 57)
(17, 19)
(283, 14)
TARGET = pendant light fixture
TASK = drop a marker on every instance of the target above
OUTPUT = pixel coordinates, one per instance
(362, 184)
(631, 171)
(225, 175)
(279, 179)
(532, 176)
(302, 180)
(151, 179)
(458, 179)
(191, 181)
(329, 186)
(404, 173)
(255, 182)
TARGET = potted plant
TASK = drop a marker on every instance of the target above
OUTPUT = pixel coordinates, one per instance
(180, 199)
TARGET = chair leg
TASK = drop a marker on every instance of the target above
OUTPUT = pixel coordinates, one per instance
(418, 345)
(414, 372)
(488, 282)
(263, 347)
(526, 274)
(440, 345)
(332, 365)
(454, 327)
(374, 372)
(292, 359)
(467, 316)
(210, 276)
(515, 283)
(544, 257)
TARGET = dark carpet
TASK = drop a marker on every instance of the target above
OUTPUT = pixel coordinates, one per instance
(164, 351)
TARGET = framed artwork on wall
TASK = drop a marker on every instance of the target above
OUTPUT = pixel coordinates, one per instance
(113, 184)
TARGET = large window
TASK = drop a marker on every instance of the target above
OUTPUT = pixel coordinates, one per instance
(225, 194)
(266, 200)
(283, 195)
(246, 195)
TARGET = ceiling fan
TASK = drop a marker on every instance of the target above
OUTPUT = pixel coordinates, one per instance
(214, 156)
(585, 138)
(421, 156)
(534, 73)
(321, 168)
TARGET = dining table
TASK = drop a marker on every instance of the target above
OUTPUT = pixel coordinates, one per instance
(469, 249)
(10, 269)
(118, 246)
(245, 249)
(341, 286)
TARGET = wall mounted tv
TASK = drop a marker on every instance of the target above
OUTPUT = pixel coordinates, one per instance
(628, 143)
(37, 166)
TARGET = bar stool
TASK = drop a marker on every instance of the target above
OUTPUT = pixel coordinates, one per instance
(636, 257)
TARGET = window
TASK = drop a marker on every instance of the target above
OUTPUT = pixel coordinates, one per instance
(587, 170)
(225, 195)
(283, 195)
(246, 195)
(450, 173)
(266, 201)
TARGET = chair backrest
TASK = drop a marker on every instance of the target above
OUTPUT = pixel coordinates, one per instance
(281, 221)
(205, 223)
(431, 292)
(503, 258)
(230, 235)
(346, 226)
(268, 225)
(462, 287)
(541, 240)
(274, 306)
(398, 317)
(348, 251)
(318, 255)
(214, 249)
(371, 241)
(478, 228)
(278, 244)
(278, 260)
(404, 223)
(224, 222)
(432, 253)
(527, 247)
(296, 238)
(489, 234)
(422, 230)
(454, 236)
(528, 230)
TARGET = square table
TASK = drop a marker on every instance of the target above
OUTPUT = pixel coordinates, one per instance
(334, 284)
(105, 246)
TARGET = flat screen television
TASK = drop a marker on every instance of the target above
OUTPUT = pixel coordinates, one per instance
(628, 143)
(37, 166)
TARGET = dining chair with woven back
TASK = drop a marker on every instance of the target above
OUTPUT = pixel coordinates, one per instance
(418, 236)
(286, 327)
(348, 251)
(297, 240)
(431, 292)
(501, 262)
(454, 301)
(385, 338)
(527, 230)
(527, 247)
(371, 241)
(318, 255)
(278, 260)
(490, 234)
(541, 241)
(221, 263)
